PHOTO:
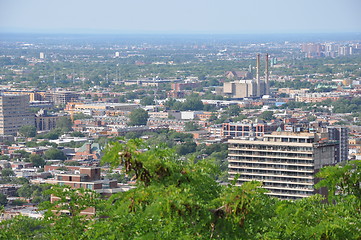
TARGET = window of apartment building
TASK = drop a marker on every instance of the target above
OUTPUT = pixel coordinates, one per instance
(89, 186)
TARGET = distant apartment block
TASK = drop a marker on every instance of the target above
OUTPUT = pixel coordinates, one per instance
(14, 113)
(178, 89)
(33, 95)
(320, 97)
(44, 121)
(285, 162)
(61, 98)
(184, 86)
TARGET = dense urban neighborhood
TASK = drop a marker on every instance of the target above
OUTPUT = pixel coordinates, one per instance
(204, 137)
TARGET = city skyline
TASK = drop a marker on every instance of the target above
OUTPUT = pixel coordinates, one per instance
(197, 17)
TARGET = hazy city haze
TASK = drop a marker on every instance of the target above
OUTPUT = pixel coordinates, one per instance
(164, 16)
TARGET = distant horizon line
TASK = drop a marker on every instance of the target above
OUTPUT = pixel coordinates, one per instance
(102, 32)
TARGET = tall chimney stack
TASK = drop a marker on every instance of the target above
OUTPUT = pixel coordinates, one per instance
(267, 76)
(258, 76)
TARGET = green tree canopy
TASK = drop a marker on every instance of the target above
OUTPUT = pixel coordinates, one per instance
(267, 115)
(4, 157)
(7, 172)
(23, 153)
(27, 131)
(192, 102)
(77, 134)
(191, 126)
(37, 160)
(81, 115)
(147, 100)
(234, 110)
(64, 123)
(54, 153)
(185, 148)
(138, 117)
(3, 199)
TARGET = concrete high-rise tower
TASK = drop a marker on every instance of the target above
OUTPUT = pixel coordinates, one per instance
(14, 113)
(285, 162)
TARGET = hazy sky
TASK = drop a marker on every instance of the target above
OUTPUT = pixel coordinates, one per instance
(180, 16)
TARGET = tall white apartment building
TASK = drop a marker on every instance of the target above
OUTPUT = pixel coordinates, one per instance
(285, 162)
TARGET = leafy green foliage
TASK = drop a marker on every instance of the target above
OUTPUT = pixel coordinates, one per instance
(53, 134)
(7, 172)
(147, 100)
(81, 115)
(234, 110)
(64, 123)
(192, 103)
(37, 160)
(54, 153)
(27, 131)
(23, 153)
(342, 181)
(347, 105)
(267, 115)
(191, 126)
(77, 134)
(3, 199)
(138, 117)
(64, 214)
(185, 148)
(23, 228)
(34, 191)
(4, 157)
(17, 202)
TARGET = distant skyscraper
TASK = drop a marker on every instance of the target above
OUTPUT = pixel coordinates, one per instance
(117, 54)
(41, 55)
(14, 113)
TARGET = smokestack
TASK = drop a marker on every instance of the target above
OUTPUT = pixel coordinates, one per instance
(257, 76)
(267, 76)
